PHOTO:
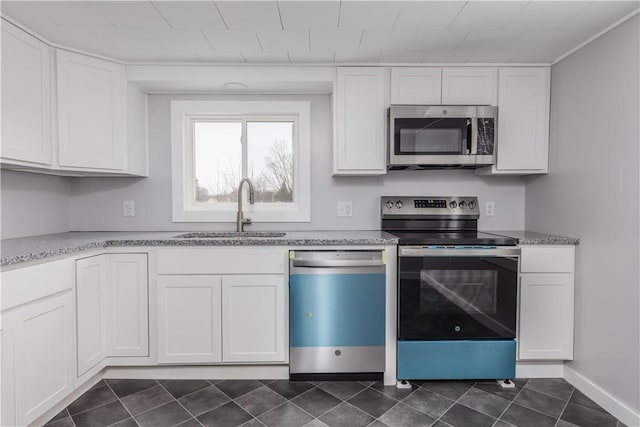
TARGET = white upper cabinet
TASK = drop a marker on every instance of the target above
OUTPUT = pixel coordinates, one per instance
(416, 86)
(523, 121)
(469, 86)
(359, 121)
(91, 112)
(26, 98)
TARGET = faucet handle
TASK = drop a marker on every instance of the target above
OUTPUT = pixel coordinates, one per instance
(246, 220)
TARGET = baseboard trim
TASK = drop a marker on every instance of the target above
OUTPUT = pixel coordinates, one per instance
(236, 372)
(602, 398)
(539, 369)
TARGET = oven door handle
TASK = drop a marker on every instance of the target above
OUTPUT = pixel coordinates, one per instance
(424, 251)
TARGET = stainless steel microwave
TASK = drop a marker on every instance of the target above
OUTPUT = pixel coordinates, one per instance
(441, 136)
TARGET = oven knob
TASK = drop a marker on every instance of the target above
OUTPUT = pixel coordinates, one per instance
(389, 204)
(471, 205)
(399, 204)
(453, 205)
(462, 204)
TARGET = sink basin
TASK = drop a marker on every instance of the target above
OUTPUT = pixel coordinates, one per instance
(229, 234)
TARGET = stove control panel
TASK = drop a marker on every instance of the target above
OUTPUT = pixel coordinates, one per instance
(449, 206)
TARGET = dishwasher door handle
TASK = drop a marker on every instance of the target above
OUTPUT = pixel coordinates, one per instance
(297, 262)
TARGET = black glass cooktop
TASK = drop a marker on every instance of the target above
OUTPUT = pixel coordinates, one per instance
(466, 238)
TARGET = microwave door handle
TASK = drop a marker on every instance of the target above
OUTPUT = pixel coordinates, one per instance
(474, 136)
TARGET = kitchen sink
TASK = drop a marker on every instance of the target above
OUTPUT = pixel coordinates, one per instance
(229, 234)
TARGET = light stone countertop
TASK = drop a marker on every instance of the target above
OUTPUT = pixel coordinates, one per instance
(25, 249)
(532, 238)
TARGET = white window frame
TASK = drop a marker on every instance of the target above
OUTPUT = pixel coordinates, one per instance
(183, 115)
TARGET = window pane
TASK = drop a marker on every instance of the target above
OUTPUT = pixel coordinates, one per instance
(218, 160)
(270, 160)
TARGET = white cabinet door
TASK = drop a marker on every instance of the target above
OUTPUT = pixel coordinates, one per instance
(546, 316)
(7, 391)
(127, 317)
(91, 106)
(359, 121)
(43, 356)
(523, 120)
(416, 86)
(189, 319)
(253, 319)
(469, 86)
(90, 315)
(26, 97)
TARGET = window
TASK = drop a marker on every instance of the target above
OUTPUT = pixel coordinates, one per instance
(217, 143)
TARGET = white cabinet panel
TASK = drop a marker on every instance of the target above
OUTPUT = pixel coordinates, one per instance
(137, 132)
(26, 97)
(359, 121)
(469, 86)
(223, 260)
(7, 390)
(523, 124)
(546, 316)
(91, 306)
(43, 356)
(416, 86)
(91, 112)
(127, 305)
(189, 319)
(253, 319)
(547, 259)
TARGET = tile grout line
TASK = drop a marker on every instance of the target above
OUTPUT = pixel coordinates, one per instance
(565, 407)
(454, 402)
(123, 405)
(178, 402)
(95, 407)
(511, 403)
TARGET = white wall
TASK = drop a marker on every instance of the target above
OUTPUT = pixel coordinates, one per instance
(592, 193)
(34, 204)
(97, 202)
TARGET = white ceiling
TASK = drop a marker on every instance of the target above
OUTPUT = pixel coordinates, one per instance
(346, 31)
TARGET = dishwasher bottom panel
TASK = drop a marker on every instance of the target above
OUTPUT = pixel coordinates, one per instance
(336, 359)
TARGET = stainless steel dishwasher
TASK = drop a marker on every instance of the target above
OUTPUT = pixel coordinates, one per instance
(336, 315)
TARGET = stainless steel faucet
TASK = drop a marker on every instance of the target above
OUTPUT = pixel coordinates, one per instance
(241, 221)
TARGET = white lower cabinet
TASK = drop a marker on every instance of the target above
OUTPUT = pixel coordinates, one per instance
(43, 355)
(253, 319)
(546, 303)
(7, 395)
(111, 308)
(229, 318)
(189, 317)
(127, 310)
(90, 312)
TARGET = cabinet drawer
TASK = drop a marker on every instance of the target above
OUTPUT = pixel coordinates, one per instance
(547, 259)
(31, 283)
(222, 260)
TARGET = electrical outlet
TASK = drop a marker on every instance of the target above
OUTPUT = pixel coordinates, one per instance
(489, 207)
(345, 209)
(128, 208)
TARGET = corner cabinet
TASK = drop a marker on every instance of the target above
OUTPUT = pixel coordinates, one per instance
(523, 121)
(26, 98)
(546, 303)
(111, 308)
(359, 109)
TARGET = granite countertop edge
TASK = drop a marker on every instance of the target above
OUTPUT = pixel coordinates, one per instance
(22, 250)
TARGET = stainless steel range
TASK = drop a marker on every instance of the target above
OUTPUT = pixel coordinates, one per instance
(457, 290)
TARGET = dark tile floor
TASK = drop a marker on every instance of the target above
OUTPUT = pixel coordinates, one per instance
(534, 402)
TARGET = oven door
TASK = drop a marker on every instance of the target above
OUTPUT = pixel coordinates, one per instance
(457, 293)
